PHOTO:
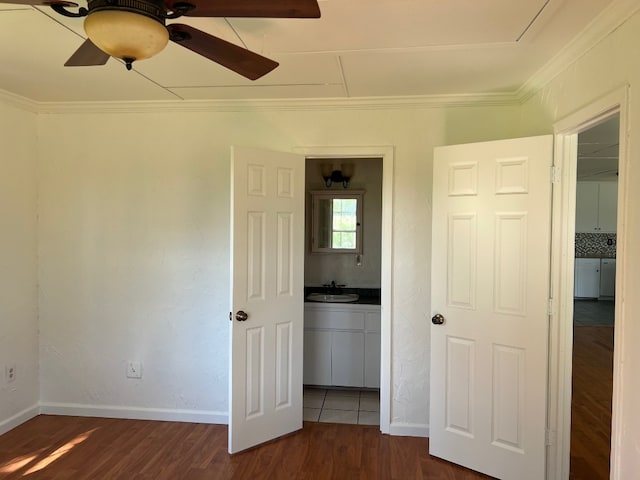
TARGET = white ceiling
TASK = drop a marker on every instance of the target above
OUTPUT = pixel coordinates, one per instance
(598, 151)
(359, 48)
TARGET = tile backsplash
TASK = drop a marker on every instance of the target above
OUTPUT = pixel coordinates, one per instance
(595, 245)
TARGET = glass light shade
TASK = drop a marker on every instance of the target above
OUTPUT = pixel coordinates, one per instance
(126, 35)
(347, 170)
(326, 169)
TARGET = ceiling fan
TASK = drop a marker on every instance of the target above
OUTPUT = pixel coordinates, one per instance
(136, 29)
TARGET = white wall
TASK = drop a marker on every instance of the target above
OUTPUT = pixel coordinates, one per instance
(610, 65)
(18, 285)
(322, 268)
(134, 245)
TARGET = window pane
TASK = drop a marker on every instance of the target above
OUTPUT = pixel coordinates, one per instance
(345, 240)
(344, 214)
(344, 222)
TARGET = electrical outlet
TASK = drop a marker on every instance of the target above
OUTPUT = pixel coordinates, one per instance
(134, 369)
(10, 372)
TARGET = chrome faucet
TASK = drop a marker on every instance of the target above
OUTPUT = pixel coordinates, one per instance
(333, 286)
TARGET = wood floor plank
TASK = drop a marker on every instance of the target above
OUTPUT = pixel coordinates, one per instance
(591, 402)
(58, 448)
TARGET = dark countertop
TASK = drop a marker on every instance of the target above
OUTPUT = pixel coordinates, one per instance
(368, 296)
(595, 255)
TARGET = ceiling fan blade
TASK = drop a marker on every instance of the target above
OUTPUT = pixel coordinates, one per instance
(63, 3)
(240, 60)
(251, 8)
(87, 55)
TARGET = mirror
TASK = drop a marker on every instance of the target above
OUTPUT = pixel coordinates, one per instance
(337, 221)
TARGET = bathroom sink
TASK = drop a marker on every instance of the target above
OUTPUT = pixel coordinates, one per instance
(333, 298)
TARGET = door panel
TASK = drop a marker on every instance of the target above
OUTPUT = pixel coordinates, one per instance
(267, 238)
(490, 281)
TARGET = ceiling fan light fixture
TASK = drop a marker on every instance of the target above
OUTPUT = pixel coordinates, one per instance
(126, 34)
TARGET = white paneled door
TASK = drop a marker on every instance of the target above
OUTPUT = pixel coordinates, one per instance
(490, 289)
(267, 242)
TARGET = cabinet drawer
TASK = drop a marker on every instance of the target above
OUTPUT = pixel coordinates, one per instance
(334, 319)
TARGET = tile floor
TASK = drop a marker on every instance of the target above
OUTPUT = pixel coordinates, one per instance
(360, 407)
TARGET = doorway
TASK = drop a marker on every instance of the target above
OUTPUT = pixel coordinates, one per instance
(387, 154)
(561, 302)
(342, 290)
(594, 300)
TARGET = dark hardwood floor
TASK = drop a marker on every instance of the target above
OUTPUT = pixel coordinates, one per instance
(591, 402)
(57, 447)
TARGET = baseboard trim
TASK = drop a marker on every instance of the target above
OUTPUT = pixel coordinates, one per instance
(132, 413)
(19, 418)
(409, 429)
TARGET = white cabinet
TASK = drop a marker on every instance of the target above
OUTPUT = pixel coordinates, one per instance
(372, 350)
(596, 207)
(608, 207)
(608, 277)
(587, 278)
(342, 345)
(587, 207)
(317, 357)
(595, 278)
(347, 359)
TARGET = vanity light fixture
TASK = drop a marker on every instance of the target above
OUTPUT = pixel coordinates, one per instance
(331, 175)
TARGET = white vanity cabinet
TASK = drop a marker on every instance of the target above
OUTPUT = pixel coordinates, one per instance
(317, 357)
(342, 345)
(372, 350)
(347, 359)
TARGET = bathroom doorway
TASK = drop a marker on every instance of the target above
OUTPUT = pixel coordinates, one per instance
(342, 374)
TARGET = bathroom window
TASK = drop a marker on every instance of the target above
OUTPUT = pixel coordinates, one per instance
(337, 221)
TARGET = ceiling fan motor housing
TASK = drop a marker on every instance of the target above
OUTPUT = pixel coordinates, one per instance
(127, 29)
(150, 8)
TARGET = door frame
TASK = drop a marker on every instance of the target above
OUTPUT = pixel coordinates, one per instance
(562, 278)
(386, 152)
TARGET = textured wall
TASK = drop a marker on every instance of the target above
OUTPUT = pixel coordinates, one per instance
(134, 244)
(18, 284)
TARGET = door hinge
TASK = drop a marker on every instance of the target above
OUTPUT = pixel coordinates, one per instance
(550, 306)
(549, 437)
(555, 174)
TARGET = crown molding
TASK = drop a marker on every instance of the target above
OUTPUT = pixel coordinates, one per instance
(614, 15)
(18, 101)
(364, 103)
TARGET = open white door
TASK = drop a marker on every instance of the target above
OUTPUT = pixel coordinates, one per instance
(490, 288)
(267, 243)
